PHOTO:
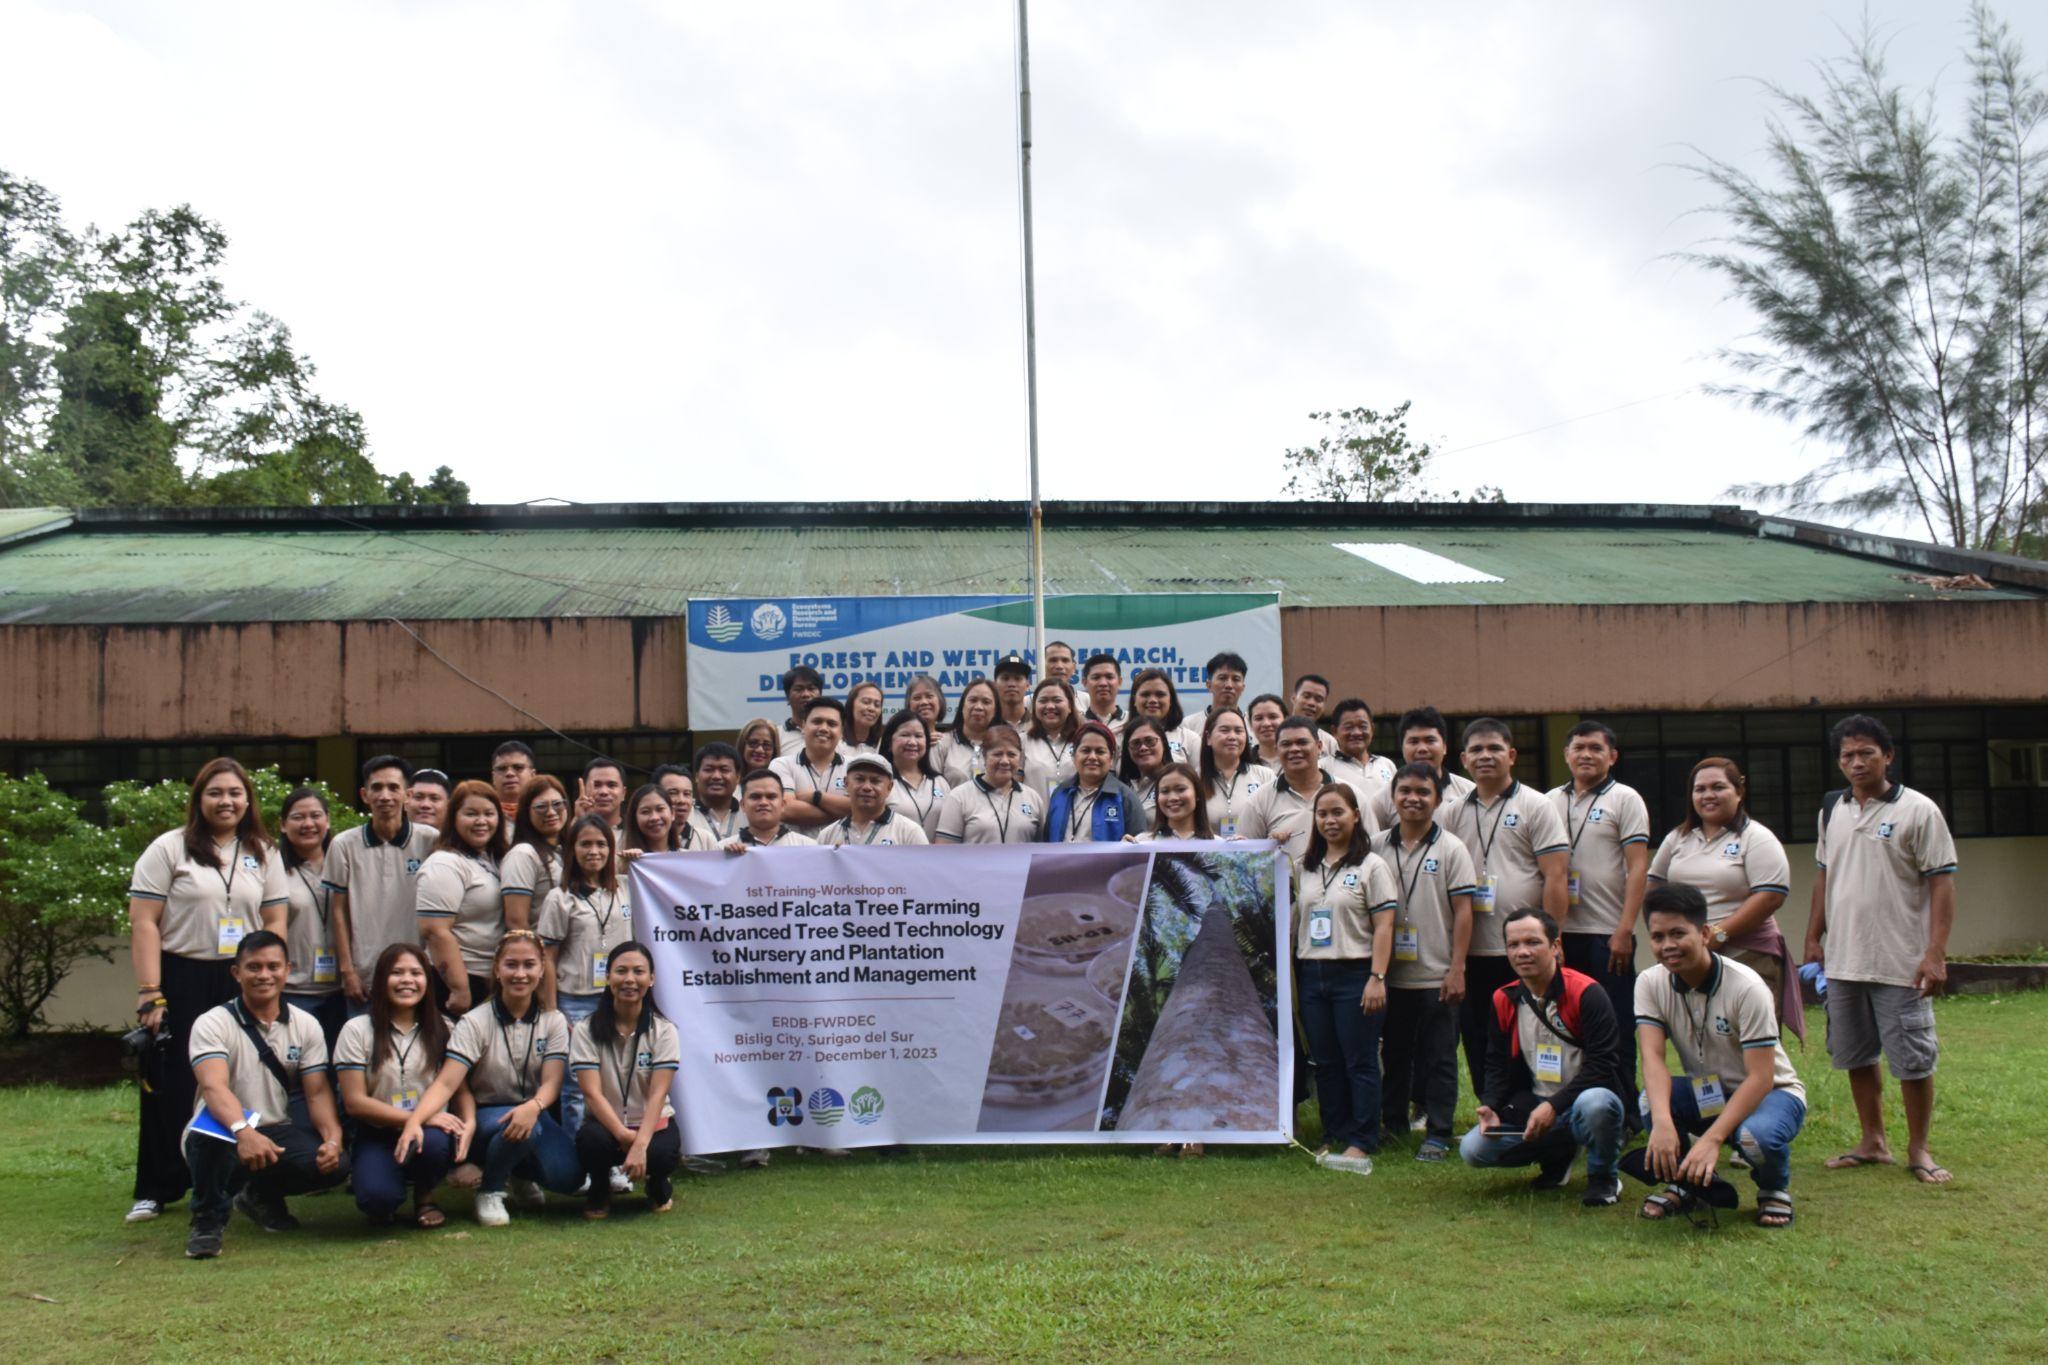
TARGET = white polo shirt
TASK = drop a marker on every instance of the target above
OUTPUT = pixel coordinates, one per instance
(1505, 840)
(891, 829)
(1727, 869)
(1881, 857)
(1714, 1027)
(974, 814)
(1425, 880)
(800, 777)
(1598, 825)
(207, 910)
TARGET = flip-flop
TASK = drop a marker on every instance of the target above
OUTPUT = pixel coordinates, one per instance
(429, 1216)
(1931, 1173)
(1850, 1160)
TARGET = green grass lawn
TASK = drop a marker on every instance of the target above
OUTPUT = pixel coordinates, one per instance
(1080, 1252)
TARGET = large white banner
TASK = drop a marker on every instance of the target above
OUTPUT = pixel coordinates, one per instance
(740, 647)
(845, 997)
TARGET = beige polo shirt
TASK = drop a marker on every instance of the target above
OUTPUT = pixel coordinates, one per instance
(1371, 775)
(1350, 897)
(1881, 857)
(207, 910)
(800, 777)
(1727, 869)
(1505, 839)
(789, 736)
(382, 882)
(532, 870)
(1231, 797)
(586, 926)
(1047, 763)
(921, 803)
(721, 829)
(407, 1070)
(294, 1036)
(1598, 825)
(973, 814)
(957, 758)
(462, 891)
(1714, 1027)
(1456, 789)
(309, 931)
(506, 1056)
(891, 829)
(785, 837)
(630, 1074)
(1278, 813)
(1425, 880)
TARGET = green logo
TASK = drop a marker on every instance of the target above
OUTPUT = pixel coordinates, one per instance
(720, 626)
(866, 1105)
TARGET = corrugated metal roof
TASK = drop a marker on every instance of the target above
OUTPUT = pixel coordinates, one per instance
(523, 565)
(19, 522)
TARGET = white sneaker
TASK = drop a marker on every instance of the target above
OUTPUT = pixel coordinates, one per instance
(527, 1194)
(144, 1210)
(757, 1157)
(621, 1184)
(490, 1209)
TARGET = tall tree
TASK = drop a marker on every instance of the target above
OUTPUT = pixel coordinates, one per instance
(38, 262)
(1368, 456)
(1899, 275)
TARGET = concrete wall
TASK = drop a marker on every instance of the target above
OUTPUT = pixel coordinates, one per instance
(2000, 909)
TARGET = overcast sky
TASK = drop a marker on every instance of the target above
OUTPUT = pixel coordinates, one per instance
(622, 252)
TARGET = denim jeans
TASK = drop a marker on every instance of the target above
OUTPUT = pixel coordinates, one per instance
(381, 1181)
(1593, 1122)
(574, 1008)
(1589, 953)
(218, 1173)
(548, 1155)
(1345, 1042)
(1765, 1137)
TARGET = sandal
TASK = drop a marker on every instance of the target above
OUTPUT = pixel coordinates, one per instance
(1931, 1173)
(428, 1216)
(1773, 1209)
(1848, 1161)
(1667, 1202)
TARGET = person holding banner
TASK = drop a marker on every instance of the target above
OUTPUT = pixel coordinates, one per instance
(1343, 943)
(1147, 751)
(1224, 674)
(1093, 806)
(761, 800)
(866, 704)
(959, 754)
(625, 1056)
(383, 1062)
(1180, 811)
(994, 808)
(926, 700)
(760, 744)
(650, 824)
(814, 776)
(1049, 743)
(871, 821)
(918, 792)
(801, 686)
(1154, 698)
(533, 864)
(512, 1054)
(717, 809)
(1230, 781)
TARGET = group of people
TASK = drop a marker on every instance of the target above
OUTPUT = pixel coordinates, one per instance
(461, 967)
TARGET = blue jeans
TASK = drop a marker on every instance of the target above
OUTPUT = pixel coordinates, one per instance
(1593, 1122)
(381, 1182)
(1344, 1042)
(574, 1008)
(1765, 1137)
(548, 1155)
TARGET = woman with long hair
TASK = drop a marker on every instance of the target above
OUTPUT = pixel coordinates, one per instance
(512, 1054)
(1049, 739)
(918, 791)
(534, 862)
(384, 1061)
(1147, 751)
(625, 1056)
(865, 706)
(1178, 809)
(459, 899)
(197, 890)
(926, 700)
(650, 824)
(1229, 775)
(584, 919)
(959, 755)
(315, 981)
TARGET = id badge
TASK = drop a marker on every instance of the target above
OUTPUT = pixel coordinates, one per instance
(326, 971)
(1706, 1094)
(1227, 830)
(407, 1099)
(1572, 890)
(1483, 893)
(231, 932)
(1319, 929)
(597, 972)
(1549, 1065)
(1407, 944)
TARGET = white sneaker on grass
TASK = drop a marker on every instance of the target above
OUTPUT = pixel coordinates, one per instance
(144, 1210)
(490, 1209)
(621, 1183)
(527, 1194)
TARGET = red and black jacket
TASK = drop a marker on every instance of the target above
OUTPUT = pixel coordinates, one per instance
(1589, 1024)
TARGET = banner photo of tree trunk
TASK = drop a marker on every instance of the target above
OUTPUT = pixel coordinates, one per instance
(846, 997)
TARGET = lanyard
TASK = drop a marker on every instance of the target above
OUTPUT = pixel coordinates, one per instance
(1699, 1026)
(1572, 804)
(1003, 819)
(227, 879)
(722, 830)
(1329, 873)
(1486, 841)
(818, 783)
(404, 1054)
(909, 791)
(688, 836)
(1230, 790)
(1056, 753)
(320, 902)
(604, 921)
(1400, 874)
(532, 1029)
(1082, 811)
(875, 827)
(630, 1064)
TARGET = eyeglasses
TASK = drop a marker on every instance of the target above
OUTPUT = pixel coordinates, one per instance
(549, 807)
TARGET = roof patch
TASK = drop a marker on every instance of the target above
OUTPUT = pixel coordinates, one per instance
(1412, 562)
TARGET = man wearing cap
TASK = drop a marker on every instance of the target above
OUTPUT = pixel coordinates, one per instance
(871, 821)
(1013, 690)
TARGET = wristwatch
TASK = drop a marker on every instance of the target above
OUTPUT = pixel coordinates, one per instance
(1379, 976)
(239, 1125)
(1719, 936)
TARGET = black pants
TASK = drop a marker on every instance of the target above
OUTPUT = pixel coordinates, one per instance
(192, 986)
(1483, 976)
(599, 1151)
(1420, 1042)
(479, 991)
(1589, 953)
(218, 1173)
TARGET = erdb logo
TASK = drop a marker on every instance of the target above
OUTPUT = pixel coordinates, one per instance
(827, 1106)
(768, 621)
(785, 1106)
(866, 1105)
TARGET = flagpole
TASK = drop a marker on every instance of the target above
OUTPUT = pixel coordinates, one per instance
(1030, 332)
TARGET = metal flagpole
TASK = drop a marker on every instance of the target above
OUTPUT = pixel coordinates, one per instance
(1030, 332)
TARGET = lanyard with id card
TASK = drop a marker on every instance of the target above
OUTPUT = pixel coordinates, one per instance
(1571, 886)
(1708, 1096)
(1483, 893)
(1407, 943)
(230, 933)
(1548, 1065)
